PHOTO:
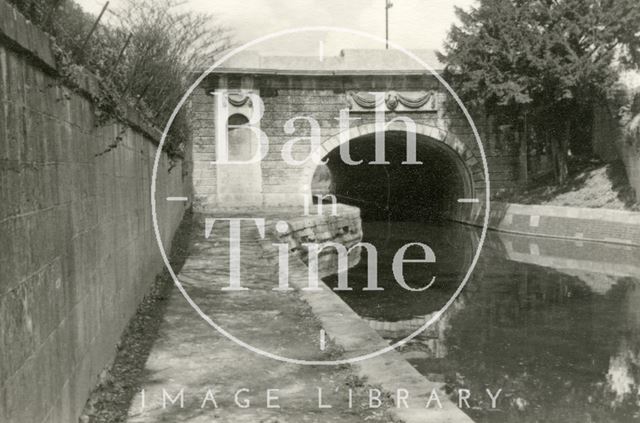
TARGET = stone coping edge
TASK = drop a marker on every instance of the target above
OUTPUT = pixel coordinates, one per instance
(563, 222)
(389, 371)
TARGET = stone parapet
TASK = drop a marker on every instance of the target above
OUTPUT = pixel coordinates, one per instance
(582, 224)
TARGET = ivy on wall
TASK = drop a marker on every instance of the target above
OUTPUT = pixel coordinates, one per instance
(143, 54)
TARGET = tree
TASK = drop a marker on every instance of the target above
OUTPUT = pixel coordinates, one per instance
(144, 52)
(546, 60)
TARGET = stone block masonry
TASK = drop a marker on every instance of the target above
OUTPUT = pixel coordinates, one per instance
(77, 248)
(616, 129)
(580, 224)
(322, 97)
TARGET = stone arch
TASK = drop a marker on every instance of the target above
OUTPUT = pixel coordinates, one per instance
(468, 163)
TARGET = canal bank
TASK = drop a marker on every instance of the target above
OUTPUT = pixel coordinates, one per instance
(576, 223)
(191, 363)
(552, 323)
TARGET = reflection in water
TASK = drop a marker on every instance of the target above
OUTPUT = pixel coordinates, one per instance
(554, 324)
(453, 256)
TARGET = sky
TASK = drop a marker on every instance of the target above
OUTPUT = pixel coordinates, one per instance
(413, 24)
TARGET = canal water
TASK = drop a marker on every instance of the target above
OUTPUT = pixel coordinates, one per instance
(554, 324)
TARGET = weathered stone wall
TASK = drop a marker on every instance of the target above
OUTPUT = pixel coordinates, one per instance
(77, 251)
(616, 128)
(617, 139)
(345, 227)
(628, 143)
(575, 223)
(629, 147)
(322, 97)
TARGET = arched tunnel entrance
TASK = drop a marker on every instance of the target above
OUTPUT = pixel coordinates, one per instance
(402, 204)
(396, 191)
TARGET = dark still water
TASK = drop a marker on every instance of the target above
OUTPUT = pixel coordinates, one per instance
(554, 324)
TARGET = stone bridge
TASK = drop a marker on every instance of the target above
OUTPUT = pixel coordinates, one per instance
(363, 82)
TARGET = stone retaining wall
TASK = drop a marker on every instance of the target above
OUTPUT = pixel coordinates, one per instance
(583, 224)
(78, 251)
(616, 128)
(344, 228)
(629, 146)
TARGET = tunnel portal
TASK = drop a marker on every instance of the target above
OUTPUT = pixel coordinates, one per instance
(396, 191)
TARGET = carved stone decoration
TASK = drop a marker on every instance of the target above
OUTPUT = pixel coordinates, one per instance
(420, 101)
(239, 99)
(391, 100)
(414, 102)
